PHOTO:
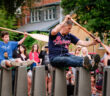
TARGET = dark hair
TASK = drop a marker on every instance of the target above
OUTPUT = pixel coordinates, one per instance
(3, 33)
(33, 48)
(24, 49)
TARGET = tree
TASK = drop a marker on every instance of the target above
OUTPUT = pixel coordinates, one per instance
(12, 5)
(92, 14)
(8, 22)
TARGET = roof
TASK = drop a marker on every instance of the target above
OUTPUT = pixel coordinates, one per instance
(55, 3)
(39, 26)
(47, 3)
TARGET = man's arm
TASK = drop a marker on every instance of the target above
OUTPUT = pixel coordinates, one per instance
(107, 48)
(22, 40)
(86, 43)
(59, 26)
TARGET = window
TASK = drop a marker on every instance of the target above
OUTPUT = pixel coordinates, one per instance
(32, 16)
(45, 14)
(49, 14)
(35, 15)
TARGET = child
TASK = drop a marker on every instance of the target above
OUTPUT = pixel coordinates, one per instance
(44, 55)
(6, 51)
(24, 57)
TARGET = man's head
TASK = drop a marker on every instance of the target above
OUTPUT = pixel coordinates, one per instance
(67, 27)
(5, 36)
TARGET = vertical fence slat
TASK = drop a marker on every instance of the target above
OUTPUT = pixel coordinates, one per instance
(106, 82)
(6, 83)
(21, 82)
(83, 83)
(60, 83)
(38, 81)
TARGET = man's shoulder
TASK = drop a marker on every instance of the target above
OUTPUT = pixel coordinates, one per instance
(52, 37)
(70, 34)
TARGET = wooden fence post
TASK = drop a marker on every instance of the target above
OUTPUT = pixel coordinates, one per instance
(82, 83)
(106, 82)
(6, 83)
(21, 82)
(38, 81)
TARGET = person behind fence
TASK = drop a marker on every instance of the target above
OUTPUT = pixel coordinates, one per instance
(99, 78)
(77, 51)
(22, 54)
(84, 52)
(70, 82)
(6, 50)
(34, 55)
(59, 41)
(93, 88)
(24, 57)
(44, 55)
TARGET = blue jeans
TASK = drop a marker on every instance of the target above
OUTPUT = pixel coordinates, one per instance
(32, 66)
(67, 60)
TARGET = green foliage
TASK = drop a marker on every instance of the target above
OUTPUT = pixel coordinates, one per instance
(11, 5)
(68, 5)
(8, 22)
(5, 20)
(92, 14)
(29, 42)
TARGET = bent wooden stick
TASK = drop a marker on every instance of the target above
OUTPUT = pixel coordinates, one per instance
(35, 36)
(90, 35)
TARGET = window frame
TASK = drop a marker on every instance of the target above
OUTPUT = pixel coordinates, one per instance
(49, 13)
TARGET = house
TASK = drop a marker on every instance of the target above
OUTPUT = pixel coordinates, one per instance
(42, 16)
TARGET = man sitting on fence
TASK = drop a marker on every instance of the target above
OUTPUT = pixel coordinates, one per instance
(6, 49)
(59, 40)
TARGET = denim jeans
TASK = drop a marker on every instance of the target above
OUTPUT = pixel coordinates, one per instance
(32, 66)
(67, 60)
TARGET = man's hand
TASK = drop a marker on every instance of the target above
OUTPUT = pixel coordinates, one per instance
(95, 41)
(25, 34)
(22, 40)
(67, 18)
